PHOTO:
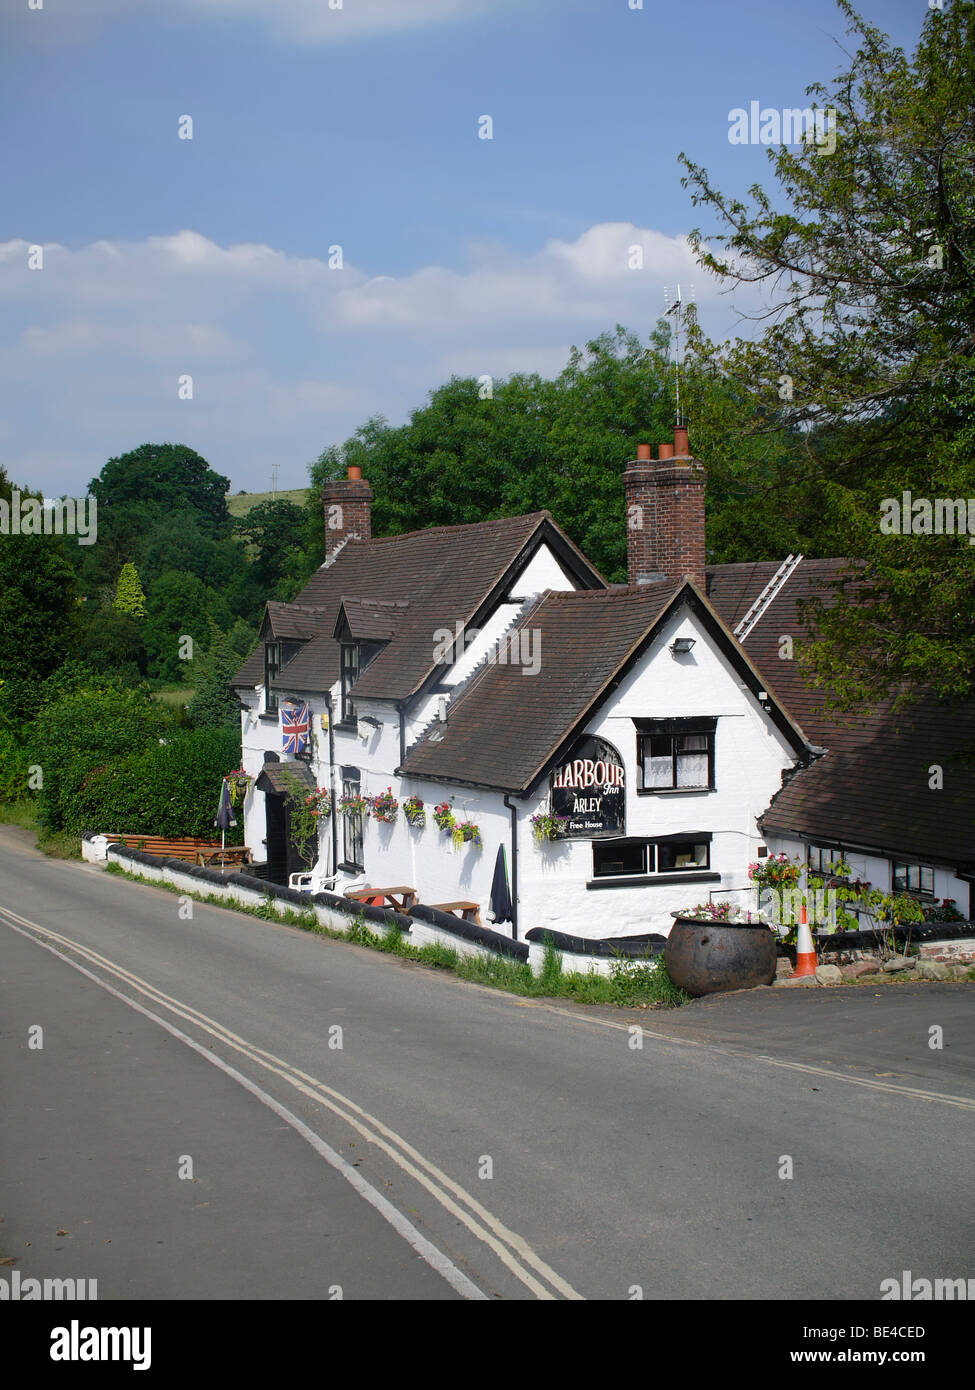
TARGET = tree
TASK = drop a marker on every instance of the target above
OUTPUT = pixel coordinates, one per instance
(275, 529)
(867, 366)
(129, 598)
(180, 606)
(38, 614)
(167, 478)
(214, 704)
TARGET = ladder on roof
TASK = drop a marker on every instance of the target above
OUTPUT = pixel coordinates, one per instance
(766, 596)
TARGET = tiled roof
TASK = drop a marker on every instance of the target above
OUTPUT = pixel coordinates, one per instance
(372, 619)
(871, 788)
(505, 723)
(446, 574)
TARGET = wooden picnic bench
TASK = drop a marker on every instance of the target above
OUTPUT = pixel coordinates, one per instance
(468, 912)
(232, 854)
(400, 898)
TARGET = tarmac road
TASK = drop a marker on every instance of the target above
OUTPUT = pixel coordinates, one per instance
(459, 1142)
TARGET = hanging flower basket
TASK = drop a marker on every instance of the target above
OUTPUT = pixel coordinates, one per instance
(384, 806)
(465, 832)
(548, 826)
(444, 815)
(414, 812)
(319, 802)
(353, 805)
(239, 784)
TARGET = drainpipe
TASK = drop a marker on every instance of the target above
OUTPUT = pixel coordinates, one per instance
(514, 867)
(401, 705)
(334, 817)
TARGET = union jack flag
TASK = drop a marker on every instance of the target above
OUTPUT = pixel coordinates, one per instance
(294, 728)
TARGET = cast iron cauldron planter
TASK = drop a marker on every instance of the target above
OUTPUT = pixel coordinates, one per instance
(707, 957)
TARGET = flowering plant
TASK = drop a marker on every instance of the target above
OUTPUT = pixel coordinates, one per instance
(355, 805)
(548, 825)
(319, 802)
(725, 911)
(777, 871)
(239, 784)
(465, 830)
(414, 812)
(384, 806)
(444, 815)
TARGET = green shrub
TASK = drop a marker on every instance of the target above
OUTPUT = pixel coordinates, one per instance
(169, 789)
(13, 767)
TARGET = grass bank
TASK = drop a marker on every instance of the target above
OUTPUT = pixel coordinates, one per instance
(24, 813)
(633, 984)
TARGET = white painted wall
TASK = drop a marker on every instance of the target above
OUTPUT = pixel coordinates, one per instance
(878, 871)
(750, 755)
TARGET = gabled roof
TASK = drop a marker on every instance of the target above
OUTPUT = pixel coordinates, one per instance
(871, 788)
(294, 621)
(507, 725)
(369, 619)
(445, 574)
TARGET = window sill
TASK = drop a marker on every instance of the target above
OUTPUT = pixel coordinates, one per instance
(268, 718)
(646, 880)
(674, 791)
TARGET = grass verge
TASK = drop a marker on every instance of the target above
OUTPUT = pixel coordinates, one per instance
(633, 983)
(59, 845)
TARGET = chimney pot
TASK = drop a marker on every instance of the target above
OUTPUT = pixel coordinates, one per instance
(354, 473)
(680, 440)
(643, 451)
(666, 451)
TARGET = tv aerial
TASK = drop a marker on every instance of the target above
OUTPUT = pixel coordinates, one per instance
(675, 300)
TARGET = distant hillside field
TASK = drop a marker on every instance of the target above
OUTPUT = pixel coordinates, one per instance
(239, 504)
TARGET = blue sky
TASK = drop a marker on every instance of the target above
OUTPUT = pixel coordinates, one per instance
(316, 127)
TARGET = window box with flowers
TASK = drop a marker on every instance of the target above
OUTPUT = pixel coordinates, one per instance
(384, 807)
(414, 811)
(319, 803)
(353, 805)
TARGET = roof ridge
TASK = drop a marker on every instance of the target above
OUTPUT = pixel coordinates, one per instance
(459, 526)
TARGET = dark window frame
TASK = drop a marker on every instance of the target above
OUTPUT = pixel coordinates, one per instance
(674, 730)
(351, 668)
(272, 665)
(651, 846)
(920, 892)
(352, 838)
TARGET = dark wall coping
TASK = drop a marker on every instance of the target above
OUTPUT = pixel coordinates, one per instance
(470, 931)
(650, 944)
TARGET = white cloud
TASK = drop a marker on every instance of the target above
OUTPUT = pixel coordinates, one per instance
(334, 21)
(286, 354)
(291, 21)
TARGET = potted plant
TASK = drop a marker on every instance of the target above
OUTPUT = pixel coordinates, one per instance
(384, 806)
(414, 812)
(717, 946)
(548, 825)
(465, 831)
(443, 814)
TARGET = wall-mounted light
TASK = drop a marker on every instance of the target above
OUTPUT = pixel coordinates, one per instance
(681, 646)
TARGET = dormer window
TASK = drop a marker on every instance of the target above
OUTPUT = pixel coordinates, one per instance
(272, 665)
(350, 674)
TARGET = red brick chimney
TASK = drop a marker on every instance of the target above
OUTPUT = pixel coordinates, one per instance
(348, 511)
(665, 514)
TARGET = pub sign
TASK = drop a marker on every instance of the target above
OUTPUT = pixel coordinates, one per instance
(588, 788)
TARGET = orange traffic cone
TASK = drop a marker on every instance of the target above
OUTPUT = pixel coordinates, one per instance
(805, 950)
